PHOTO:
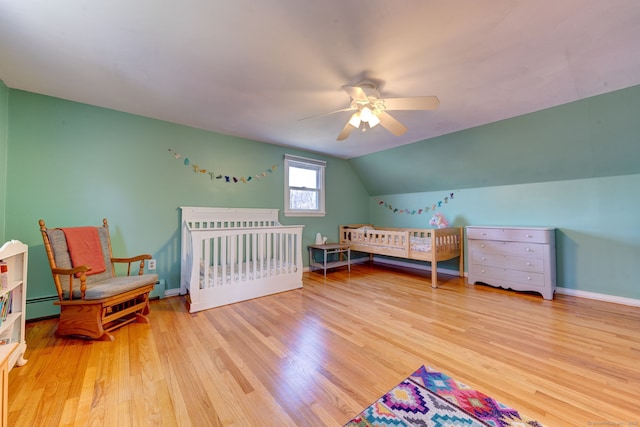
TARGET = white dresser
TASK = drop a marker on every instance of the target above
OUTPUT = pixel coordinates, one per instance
(519, 258)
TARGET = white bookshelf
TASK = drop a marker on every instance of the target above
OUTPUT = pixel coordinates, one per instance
(12, 330)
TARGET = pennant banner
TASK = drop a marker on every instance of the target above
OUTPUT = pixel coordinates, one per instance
(223, 177)
(419, 211)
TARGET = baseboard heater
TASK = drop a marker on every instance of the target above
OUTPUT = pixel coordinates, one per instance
(42, 308)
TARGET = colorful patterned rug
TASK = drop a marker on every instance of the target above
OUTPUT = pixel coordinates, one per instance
(430, 398)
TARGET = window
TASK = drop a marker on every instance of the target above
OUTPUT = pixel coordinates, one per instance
(303, 186)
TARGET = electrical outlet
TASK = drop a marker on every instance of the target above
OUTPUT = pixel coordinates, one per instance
(151, 265)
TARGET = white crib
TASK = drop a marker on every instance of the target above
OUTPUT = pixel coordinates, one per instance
(230, 255)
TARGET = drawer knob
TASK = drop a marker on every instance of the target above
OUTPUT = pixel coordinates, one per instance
(482, 270)
(528, 250)
(529, 264)
(483, 234)
(482, 245)
(528, 278)
(484, 258)
(528, 235)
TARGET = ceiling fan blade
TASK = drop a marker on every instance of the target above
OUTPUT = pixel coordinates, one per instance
(330, 112)
(356, 93)
(391, 124)
(412, 103)
(346, 130)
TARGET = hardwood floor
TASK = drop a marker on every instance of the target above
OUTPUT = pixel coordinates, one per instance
(319, 355)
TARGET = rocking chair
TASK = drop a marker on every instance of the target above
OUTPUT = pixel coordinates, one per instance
(93, 300)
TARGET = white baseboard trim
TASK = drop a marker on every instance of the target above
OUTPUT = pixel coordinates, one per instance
(599, 297)
(172, 292)
(426, 267)
(353, 261)
(362, 260)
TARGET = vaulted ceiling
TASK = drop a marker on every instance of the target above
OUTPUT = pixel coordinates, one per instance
(254, 69)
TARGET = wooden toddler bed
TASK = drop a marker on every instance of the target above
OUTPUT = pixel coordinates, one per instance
(431, 245)
(232, 255)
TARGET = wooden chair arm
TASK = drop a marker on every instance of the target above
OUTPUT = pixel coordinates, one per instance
(81, 270)
(71, 271)
(136, 258)
(132, 259)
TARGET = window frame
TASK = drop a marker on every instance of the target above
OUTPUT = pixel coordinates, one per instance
(319, 166)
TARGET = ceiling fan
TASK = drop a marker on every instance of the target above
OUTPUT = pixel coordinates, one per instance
(371, 110)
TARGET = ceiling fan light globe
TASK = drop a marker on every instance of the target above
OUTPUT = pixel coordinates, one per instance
(355, 120)
(373, 121)
(365, 114)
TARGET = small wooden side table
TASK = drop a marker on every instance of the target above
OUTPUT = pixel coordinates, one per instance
(343, 251)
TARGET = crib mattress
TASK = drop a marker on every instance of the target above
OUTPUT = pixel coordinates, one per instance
(417, 244)
(247, 271)
(420, 244)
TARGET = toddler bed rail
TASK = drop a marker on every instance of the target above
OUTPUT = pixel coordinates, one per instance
(430, 245)
(231, 255)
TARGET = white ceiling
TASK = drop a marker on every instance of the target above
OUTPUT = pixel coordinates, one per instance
(254, 68)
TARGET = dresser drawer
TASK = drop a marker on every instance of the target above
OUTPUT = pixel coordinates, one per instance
(529, 250)
(535, 265)
(512, 234)
(494, 275)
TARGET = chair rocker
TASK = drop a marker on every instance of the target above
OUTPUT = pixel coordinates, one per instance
(94, 300)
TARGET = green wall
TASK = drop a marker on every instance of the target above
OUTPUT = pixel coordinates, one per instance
(597, 236)
(593, 137)
(73, 164)
(4, 131)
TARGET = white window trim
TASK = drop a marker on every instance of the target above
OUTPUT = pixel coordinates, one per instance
(321, 168)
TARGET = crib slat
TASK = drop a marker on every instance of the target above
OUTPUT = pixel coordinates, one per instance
(254, 254)
(239, 252)
(247, 258)
(269, 238)
(287, 260)
(206, 254)
(233, 259)
(214, 261)
(223, 258)
(277, 252)
(261, 251)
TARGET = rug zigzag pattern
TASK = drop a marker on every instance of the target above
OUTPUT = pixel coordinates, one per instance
(431, 398)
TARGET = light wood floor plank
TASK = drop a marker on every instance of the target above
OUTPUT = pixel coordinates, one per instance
(318, 355)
